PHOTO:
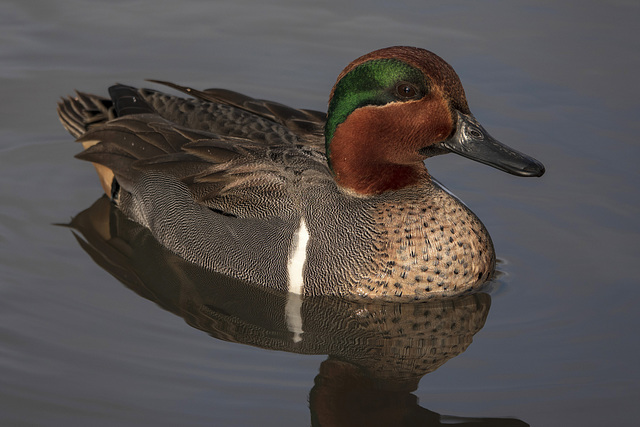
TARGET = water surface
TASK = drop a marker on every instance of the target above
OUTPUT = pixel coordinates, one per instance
(554, 343)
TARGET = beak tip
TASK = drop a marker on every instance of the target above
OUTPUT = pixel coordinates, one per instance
(536, 169)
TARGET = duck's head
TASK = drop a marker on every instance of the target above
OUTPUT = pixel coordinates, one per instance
(391, 109)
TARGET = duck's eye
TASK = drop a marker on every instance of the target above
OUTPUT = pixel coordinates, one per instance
(406, 91)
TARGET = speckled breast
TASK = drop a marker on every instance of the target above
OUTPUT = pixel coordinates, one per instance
(428, 245)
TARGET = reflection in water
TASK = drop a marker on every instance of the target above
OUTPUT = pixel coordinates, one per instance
(377, 351)
(344, 395)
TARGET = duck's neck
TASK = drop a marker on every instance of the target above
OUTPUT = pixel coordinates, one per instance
(369, 156)
(374, 178)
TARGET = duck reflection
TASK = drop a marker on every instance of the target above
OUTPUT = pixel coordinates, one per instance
(378, 352)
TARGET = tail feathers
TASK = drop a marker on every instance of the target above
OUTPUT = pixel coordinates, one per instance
(83, 112)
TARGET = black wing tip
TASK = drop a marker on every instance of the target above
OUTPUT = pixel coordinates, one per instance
(127, 101)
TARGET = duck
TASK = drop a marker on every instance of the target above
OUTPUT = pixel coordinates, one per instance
(298, 201)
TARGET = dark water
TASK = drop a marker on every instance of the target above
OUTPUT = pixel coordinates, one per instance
(555, 342)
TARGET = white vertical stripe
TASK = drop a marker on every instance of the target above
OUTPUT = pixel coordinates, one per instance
(293, 315)
(298, 258)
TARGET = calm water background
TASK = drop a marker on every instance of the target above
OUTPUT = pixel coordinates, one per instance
(555, 79)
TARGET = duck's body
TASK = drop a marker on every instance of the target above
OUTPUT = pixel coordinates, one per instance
(275, 196)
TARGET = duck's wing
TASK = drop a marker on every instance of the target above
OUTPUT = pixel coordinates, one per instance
(218, 111)
(233, 176)
(308, 125)
(234, 156)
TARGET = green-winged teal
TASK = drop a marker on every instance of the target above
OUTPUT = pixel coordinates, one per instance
(299, 201)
